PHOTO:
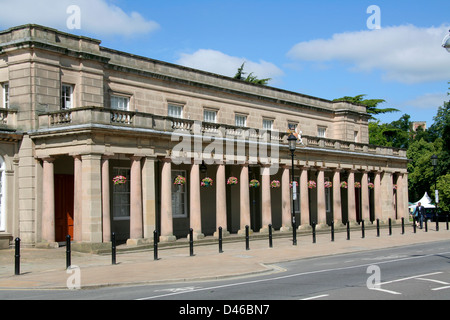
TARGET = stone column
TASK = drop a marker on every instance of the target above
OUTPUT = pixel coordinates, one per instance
(221, 200)
(304, 200)
(365, 209)
(286, 213)
(351, 197)
(92, 199)
(337, 202)
(402, 201)
(48, 201)
(106, 206)
(136, 218)
(321, 206)
(387, 196)
(77, 203)
(149, 196)
(195, 210)
(377, 196)
(266, 200)
(244, 199)
(166, 202)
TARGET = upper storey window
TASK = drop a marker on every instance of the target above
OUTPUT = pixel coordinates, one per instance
(210, 116)
(120, 103)
(240, 120)
(267, 124)
(321, 132)
(66, 97)
(5, 96)
(175, 111)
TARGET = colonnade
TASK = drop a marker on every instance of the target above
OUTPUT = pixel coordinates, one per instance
(92, 212)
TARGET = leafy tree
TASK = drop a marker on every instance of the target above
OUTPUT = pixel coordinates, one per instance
(240, 75)
(443, 185)
(370, 104)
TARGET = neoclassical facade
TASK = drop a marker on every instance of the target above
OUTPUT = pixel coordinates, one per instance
(76, 115)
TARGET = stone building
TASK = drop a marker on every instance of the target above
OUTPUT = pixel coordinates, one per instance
(75, 115)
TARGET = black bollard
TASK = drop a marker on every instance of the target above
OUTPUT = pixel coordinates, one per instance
(362, 229)
(17, 257)
(270, 236)
(314, 232)
(113, 248)
(437, 222)
(332, 231)
(68, 252)
(348, 230)
(191, 242)
(220, 240)
(446, 220)
(390, 226)
(378, 227)
(426, 225)
(403, 225)
(247, 238)
(155, 245)
(414, 226)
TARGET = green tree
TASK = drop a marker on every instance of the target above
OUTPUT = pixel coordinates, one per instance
(443, 185)
(240, 75)
(370, 104)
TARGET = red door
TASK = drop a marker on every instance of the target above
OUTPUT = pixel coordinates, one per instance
(64, 189)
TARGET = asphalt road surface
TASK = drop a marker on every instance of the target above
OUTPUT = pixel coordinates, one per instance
(416, 272)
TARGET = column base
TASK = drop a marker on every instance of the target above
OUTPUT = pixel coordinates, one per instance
(137, 242)
(338, 224)
(196, 236)
(225, 233)
(286, 228)
(170, 238)
(322, 226)
(47, 245)
(241, 232)
(305, 227)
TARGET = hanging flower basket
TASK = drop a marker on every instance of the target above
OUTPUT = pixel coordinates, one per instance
(180, 181)
(118, 180)
(371, 185)
(232, 181)
(357, 185)
(312, 184)
(275, 184)
(254, 183)
(395, 187)
(328, 184)
(344, 185)
(206, 182)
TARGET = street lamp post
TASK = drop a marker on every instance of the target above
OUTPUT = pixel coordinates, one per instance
(292, 140)
(434, 162)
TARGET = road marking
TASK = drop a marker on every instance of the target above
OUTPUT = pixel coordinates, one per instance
(301, 274)
(384, 290)
(316, 297)
(441, 288)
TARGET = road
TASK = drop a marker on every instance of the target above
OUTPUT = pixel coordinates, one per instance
(403, 273)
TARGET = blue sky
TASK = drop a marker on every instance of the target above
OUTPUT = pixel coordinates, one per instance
(319, 48)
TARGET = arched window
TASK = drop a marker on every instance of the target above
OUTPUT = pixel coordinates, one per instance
(2, 195)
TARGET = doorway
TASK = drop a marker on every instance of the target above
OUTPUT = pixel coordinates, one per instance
(64, 200)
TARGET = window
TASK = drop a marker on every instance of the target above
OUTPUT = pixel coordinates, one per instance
(2, 195)
(240, 120)
(267, 124)
(321, 132)
(121, 195)
(120, 103)
(175, 111)
(6, 95)
(66, 97)
(292, 126)
(210, 116)
(179, 196)
(355, 135)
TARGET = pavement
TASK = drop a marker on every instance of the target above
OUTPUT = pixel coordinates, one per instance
(46, 268)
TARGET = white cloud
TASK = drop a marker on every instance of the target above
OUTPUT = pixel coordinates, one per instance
(96, 16)
(220, 63)
(405, 54)
(428, 101)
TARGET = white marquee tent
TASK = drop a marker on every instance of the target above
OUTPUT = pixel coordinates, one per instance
(425, 201)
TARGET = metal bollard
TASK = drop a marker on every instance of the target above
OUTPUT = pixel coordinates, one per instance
(17, 257)
(113, 248)
(247, 238)
(403, 225)
(314, 232)
(191, 242)
(426, 225)
(437, 222)
(446, 220)
(68, 252)
(348, 230)
(270, 236)
(378, 227)
(332, 231)
(390, 226)
(414, 226)
(155, 245)
(362, 229)
(220, 240)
